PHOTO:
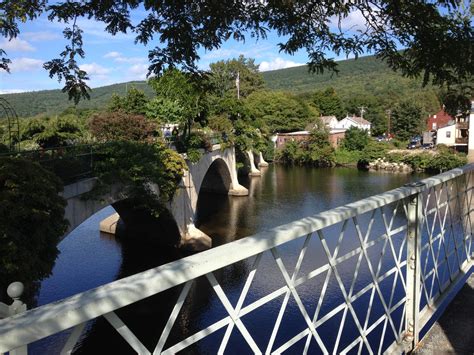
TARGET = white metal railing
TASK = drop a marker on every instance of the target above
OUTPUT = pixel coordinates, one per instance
(392, 258)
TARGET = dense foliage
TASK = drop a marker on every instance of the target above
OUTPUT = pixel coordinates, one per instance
(223, 75)
(355, 139)
(181, 91)
(328, 103)
(275, 111)
(134, 102)
(316, 151)
(119, 126)
(53, 132)
(31, 221)
(148, 173)
(407, 119)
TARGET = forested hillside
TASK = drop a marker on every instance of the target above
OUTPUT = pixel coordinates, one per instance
(365, 77)
(54, 101)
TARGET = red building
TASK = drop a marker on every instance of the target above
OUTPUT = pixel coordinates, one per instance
(438, 120)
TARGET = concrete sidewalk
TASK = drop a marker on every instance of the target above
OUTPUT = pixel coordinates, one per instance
(453, 333)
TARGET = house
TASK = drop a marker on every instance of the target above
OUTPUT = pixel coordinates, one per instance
(438, 120)
(330, 121)
(455, 133)
(354, 121)
(446, 135)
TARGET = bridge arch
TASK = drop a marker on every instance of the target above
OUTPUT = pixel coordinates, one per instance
(216, 170)
(217, 179)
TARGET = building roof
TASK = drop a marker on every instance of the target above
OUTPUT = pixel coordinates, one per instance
(441, 118)
(327, 119)
(358, 120)
(298, 133)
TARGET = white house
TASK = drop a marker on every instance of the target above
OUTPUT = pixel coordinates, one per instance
(354, 121)
(446, 135)
(330, 121)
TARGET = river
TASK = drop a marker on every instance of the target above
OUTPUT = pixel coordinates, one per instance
(283, 194)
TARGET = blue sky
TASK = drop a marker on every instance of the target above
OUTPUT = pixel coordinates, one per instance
(115, 59)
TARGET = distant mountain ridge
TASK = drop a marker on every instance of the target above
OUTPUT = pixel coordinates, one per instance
(364, 76)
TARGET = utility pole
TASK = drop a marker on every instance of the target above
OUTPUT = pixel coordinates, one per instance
(389, 114)
(237, 84)
(362, 110)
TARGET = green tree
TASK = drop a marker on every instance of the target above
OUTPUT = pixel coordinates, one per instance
(179, 90)
(223, 75)
(54, 132)
(355, 139)
(31, 221)
(164, 110)
(407, 119)
(430, 32)
(328, 103)
(134, 102)
(275, 111)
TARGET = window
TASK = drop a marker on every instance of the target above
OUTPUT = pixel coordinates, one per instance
(448, 134)
(434, 125)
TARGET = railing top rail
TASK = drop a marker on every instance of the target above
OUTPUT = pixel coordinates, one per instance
(52, 318)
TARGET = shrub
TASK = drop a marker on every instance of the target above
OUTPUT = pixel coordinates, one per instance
(291, 153)
(355, 139)
(446, 160)
(31, 221)
(53, 132)
(320, 156)
(121, 126)
(346, 157)
(399, 144)
(419, 161)
(137, 166)
(374, 150)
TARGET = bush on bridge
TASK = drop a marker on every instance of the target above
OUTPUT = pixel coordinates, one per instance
(121, 126)
(31, 221)
(139, 168)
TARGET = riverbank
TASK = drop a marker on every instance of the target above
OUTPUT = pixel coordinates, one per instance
(373, 156)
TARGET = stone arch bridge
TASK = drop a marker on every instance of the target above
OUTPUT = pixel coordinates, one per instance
(215, 172)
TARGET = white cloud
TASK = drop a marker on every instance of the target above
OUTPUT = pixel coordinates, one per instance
(94, 69)
(352, 22)
(40, 36)
(138, 72)
(130, 59)
(25, 64)
(16, 45)
(113, 55)
(119, 58)
(11, 91)
(278, 63)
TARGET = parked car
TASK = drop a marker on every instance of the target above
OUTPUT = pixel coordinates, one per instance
(413, 145)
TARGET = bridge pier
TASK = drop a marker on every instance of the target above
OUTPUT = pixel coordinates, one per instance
(260, 161)
(253, 170)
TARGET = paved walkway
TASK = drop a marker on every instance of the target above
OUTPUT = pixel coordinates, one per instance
(453, 333)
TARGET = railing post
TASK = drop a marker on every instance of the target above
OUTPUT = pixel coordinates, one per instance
(413, 273)
(14, 291)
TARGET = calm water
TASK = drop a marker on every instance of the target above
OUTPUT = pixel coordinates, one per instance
(281, 195)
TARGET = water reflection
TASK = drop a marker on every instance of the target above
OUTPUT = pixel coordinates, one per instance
(281, 195)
